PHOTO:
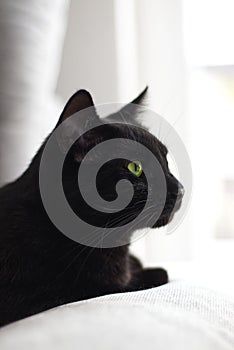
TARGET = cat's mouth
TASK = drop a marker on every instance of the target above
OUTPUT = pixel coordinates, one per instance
(168, 214)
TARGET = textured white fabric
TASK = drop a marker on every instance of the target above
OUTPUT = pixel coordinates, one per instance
(174, 316)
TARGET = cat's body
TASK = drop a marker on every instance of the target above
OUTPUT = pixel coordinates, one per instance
(41, 268)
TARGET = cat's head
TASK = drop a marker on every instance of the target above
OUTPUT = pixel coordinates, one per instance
(124, 126)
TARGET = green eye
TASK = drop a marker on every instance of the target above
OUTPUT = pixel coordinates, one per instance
(135, 168)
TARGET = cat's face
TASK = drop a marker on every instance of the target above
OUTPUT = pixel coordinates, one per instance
(118, 169)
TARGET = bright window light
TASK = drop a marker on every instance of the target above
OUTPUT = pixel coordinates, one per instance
(208, 31)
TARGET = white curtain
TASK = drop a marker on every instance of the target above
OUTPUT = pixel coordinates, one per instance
(31, 37)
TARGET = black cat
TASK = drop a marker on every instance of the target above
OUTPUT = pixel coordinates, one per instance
(40, 267)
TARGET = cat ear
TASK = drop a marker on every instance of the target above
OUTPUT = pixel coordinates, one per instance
(75, 128)
(130, 113)
(140, 100)
(78, 102)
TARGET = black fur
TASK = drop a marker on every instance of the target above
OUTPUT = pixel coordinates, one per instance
(41, 268)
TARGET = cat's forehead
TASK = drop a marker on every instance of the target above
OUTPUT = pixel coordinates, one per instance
(138, 134)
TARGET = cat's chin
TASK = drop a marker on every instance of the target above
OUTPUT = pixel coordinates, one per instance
(164, 220)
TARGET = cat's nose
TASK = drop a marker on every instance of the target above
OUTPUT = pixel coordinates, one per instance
(180, 191)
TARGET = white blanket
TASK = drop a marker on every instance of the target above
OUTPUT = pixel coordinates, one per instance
(174, 316)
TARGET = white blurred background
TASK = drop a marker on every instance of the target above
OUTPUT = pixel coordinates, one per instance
(183, 50)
